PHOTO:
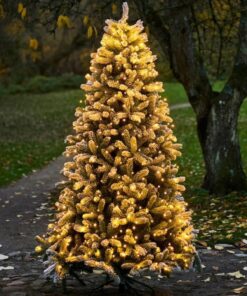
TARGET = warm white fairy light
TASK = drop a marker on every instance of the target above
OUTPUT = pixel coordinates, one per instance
(83, 209)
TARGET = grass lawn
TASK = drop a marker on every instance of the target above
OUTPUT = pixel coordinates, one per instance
(33, 128)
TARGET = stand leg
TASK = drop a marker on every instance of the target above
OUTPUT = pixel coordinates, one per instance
(101, 286)
(74, 274)
(122, 288)
(64, 285)
(142, 284)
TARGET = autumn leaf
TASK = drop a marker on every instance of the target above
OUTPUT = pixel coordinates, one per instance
(33, 43)
(114, 8)
(22, 10)
(85, 20)
(239, 290)
(89, 32)
(64, 21)
(3, 257)
(20, 7)
(24, 13)
(202, 243)
(2, 15)
(236, 274)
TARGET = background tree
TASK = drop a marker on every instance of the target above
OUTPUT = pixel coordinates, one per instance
(216, 112)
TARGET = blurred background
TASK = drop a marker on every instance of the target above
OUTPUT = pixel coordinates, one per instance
(201, 47)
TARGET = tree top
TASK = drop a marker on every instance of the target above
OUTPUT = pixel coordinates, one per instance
(125, 14)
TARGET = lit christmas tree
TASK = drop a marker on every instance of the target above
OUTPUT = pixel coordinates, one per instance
(121, 208)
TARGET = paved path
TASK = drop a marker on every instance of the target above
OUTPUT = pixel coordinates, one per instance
(25, 211)
(179, 106)
(23, 207)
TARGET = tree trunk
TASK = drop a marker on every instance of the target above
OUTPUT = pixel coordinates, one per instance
(220, 146)
(216, 113)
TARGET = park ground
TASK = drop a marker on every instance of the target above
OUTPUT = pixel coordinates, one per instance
(33, 128)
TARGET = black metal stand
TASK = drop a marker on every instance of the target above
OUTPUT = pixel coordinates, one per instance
(64, 286)
(127, 283)
(100, 287)
(72, 271)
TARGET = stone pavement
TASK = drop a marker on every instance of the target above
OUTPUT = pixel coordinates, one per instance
(25, 211)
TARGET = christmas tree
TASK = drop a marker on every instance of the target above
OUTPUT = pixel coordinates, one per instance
(121, 207)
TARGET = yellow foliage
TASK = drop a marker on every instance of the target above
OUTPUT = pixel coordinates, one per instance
(20, 7)
(33, 43)
(2, 15)
(89, 32)
(85, 20)
(114, 8)
(24, 13)
(64, 21)
(22, 10)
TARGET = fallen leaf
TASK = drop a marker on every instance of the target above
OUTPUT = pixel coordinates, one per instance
(202, 243)
(239, 290)
(97, 271)
(240, 255)
(237, 274)
(219, 247)
(225, 245)
(3, 257)
(6, 267)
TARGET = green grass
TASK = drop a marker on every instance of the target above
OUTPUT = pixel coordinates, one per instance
(175, 93)
(42, 84)
(33, 128)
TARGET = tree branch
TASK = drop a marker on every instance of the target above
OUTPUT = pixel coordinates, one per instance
(238, 79)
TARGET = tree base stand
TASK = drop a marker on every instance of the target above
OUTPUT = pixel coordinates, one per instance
(130, 284)
(127, 283)
(73, 272)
